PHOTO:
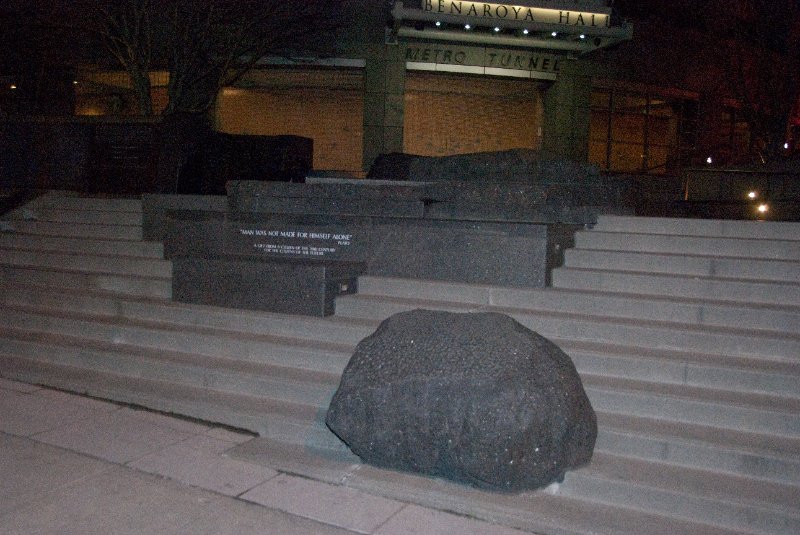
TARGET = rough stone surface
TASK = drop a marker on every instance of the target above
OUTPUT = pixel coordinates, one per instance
(521, 184)
(476, 398)
(517, 165)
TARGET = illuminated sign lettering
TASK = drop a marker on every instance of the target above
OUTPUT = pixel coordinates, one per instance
(517, 13)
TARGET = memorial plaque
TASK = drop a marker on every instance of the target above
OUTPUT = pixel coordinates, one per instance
(290, 238)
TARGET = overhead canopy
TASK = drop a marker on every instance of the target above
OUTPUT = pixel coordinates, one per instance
(578, 26)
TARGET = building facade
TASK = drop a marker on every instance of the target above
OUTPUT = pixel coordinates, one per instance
(441, 77)
(437, 78)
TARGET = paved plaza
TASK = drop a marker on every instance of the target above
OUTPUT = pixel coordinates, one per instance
(74, 465)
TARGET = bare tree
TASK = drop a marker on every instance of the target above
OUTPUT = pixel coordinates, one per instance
(745, 50)
(762, 54)
(214, 43)
(203, 44)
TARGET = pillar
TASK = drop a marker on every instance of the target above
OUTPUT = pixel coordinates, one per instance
(384, 93)
(567, 112)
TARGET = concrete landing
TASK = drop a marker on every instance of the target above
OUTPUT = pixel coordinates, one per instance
(74, 465)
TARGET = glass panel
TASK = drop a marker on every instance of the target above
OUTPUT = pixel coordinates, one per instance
(662, 107)
(597, 154)
(598, 126)
(662, 130)
(601, 99)
(627, 157)
(627, 127)
(658, 159)
(628, 103)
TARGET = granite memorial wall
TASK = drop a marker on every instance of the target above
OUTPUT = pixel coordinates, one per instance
(319, 236)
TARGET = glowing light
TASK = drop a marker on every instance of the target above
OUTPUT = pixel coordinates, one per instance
(12, 86)
(554, 34)
(583, 36)
(786, 145)
(438, 23)
(467, 26)
(763, 208)
(525, 31)
(497, 29)
(709, 160)
(74, 82)
(752, 195)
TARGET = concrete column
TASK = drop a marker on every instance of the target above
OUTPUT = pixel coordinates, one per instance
(567, 112)
(384, 90)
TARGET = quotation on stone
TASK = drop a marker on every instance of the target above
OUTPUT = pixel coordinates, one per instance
(476, 398)
(297, 242)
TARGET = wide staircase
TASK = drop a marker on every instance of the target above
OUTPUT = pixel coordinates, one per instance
(686, 334)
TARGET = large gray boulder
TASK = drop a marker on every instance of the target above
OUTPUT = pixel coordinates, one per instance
(476, 398)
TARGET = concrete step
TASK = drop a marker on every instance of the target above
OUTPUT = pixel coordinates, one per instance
(743, 375)
(765, 249)
(91, 246)
(748, 455)
(697, 395)
(535, 512)
(308, 387)
(686, 310)
(780, 347)
(664, 490)
(179, 315)
(241, 411)
(118, 265)
(371, 302)
(727, 410)
(152, 287)
(285, 352)
(680, 492)
(283, 421)
(718, 228)
(291, 385)
(670, 404)
(88, 217)
(718, 374)
(700, 266)
(709, 288)
(75, 230)
(266, 349)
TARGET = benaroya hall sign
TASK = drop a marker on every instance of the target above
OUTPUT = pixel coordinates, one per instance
(556, 12)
